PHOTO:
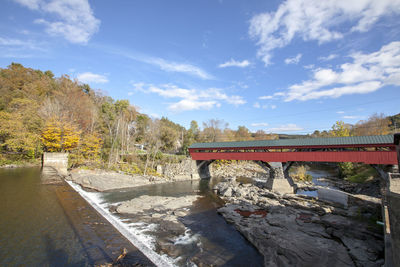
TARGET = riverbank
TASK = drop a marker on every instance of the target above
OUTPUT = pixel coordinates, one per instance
(101, 180)
(20, 165)
(303, 231)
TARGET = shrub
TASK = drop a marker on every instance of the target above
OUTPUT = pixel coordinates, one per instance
(301, 174)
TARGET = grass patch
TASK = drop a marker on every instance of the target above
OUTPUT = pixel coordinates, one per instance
(362, 174)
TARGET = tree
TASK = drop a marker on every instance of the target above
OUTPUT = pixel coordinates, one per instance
(195, 130)
(15, 137)
(60, 136)
(90, 146)
(339, 129)
(51, 136)
(212, 130)
(70, 137)
(242, 134)
(376, 124)
(153, 143)
(262, 135)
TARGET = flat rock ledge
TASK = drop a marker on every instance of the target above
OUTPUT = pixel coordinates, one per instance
(100, 180)
(168, 214)
(292, 230)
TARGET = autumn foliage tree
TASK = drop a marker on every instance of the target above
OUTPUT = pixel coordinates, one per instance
(90, 146)
(60, 137)
(340, 129)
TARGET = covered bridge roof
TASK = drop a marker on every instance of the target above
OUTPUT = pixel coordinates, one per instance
(305, 142)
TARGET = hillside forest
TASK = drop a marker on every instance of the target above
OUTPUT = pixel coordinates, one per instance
(40, 112)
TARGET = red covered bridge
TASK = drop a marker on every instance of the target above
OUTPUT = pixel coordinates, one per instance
(380, 149)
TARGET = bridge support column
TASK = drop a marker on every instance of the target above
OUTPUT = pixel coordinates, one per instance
(277, 180)
(203, 168)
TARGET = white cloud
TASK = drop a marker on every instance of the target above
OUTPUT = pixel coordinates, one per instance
(340, 112)
(257, 105)
(309, 67)
(191, 99)
(353, 117)
(234, 63)
(293, 60)
(259, 124)
(88, 77)
(155, 116)
(266, 97)
(74, 20)
(291, 127)
(315, 21)
(275, 95)
(189, 104)
(32, 4)
(17, 48)
(179, 67)
(327, 58)
(365, 74)
(166, 65)
(17, 44)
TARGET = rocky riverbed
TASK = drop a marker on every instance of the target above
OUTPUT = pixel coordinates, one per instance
(293, 230)
(100, 180)
(165, 215)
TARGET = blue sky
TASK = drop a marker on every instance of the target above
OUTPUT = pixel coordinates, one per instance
(281, 66)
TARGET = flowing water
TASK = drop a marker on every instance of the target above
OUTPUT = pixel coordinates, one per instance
(318, 170)
(35, 230)
(207, 239)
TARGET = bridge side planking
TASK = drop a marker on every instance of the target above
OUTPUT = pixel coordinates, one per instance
(367, 157)
(338, 149)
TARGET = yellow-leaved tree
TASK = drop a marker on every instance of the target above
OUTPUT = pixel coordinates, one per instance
(51, 136)
(339, 129)
(15, 138)
(70, 137)
(60, 137)
(90, 146)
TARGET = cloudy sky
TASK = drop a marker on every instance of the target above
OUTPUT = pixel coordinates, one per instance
(283, 66)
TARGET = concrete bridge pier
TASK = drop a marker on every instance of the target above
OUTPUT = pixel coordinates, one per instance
(203, 168)
(277, 180)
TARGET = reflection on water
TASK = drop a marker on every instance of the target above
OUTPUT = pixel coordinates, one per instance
(318, 170)
(33, 228)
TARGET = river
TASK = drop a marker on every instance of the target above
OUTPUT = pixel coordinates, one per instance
(35, 230)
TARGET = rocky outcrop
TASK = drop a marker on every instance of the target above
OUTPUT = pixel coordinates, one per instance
(168, 214)
(157, 204)
(291, 230)
(100, 180)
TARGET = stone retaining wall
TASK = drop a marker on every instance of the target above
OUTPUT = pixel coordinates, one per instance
(185, 170)
(248, 169)
(58, 161)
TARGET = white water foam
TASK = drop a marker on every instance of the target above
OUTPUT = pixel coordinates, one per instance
(143, 242)
(186, 238)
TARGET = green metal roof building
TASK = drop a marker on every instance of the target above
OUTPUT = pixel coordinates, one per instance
(330, 141)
